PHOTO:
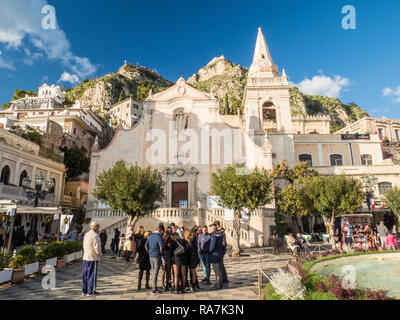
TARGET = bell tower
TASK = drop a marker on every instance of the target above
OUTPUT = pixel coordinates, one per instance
(266, 105)
(266, 97)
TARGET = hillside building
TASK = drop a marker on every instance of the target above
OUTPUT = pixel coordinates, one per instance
(126, 112)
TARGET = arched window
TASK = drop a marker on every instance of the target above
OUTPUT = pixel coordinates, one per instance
(383, 186)
(269, 111)
(269, 117)
(366, 160)
(306, 158)
(5, 175)
(23, 175)
(336, 159)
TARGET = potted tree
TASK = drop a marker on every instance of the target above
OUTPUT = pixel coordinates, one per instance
(17, 263)
(5, 272)
(69, 252)
(45, 256)
(29, 253)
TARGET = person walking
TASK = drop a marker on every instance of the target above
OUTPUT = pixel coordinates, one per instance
(91, 257)
(154, 246)
(117, 234)
(143, 257)
(383, 232)
(203, 245)
(224, 245)
(103, 240)
(179, 249)
(121, 245)
(193, 260)
(128, 247)
(215, 250)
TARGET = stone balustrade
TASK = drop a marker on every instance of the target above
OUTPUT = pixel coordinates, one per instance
(174, 213)
(213, 215)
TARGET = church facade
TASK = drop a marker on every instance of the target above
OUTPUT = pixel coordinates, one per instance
(182, 134)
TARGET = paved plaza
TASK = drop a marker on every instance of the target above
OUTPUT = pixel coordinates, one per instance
(117, 280)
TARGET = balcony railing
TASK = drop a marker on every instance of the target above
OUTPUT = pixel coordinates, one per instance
(17, 193)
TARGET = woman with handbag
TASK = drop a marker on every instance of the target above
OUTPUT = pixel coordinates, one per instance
(179, 248)
(193, 260)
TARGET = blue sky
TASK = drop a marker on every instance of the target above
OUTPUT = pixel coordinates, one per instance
(305, 37)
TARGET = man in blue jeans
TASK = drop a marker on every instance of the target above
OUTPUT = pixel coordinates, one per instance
(154, 246)
(203, 245)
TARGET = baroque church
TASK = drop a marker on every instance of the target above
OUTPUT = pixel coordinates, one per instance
(182, 134)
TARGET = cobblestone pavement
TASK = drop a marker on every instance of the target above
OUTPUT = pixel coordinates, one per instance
(117, 280)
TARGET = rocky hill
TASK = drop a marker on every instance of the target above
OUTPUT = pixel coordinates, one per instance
(130, 80)
(341, 114)
(227, 81)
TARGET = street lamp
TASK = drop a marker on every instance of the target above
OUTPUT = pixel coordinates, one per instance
(369, 185)
(39, 194)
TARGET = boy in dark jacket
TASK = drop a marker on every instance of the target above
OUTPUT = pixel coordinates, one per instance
(216, 244)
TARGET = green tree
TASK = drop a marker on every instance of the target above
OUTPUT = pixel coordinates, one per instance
(142, 91)
(76, 160)
(238, 192)
(332, 196)
(225, 109)
(291, 200)
(133, 190)
(392, 199)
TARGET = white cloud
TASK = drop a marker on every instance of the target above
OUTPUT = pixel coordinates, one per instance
(21, 21)
(387, 91)
(6, 64)
(395, 93)
(324, 85)
(67, 77)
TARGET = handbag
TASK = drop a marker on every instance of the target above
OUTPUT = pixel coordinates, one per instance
(179, 250)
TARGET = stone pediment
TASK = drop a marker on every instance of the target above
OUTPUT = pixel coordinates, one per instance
(181, 90)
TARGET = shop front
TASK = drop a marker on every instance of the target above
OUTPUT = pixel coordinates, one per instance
(25, 225)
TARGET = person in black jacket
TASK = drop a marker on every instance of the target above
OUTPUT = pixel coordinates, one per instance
(193, 260)
(143, 259)
(179, 249)
(215, 250)
(224, 245)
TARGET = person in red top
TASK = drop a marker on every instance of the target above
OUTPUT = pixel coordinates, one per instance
(391, 242)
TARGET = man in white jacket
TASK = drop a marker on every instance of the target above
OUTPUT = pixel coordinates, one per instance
(91, 258)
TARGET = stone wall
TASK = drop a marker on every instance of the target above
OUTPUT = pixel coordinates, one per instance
(54, 138)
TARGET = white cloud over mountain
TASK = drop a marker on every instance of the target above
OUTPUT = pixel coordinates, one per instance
(324, 85)
(21, 27)
(395, 93)
(67, 77)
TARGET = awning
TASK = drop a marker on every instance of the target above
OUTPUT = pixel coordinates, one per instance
(21, 209)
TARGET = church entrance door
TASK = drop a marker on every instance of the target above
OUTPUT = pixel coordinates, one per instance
(179, 193)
